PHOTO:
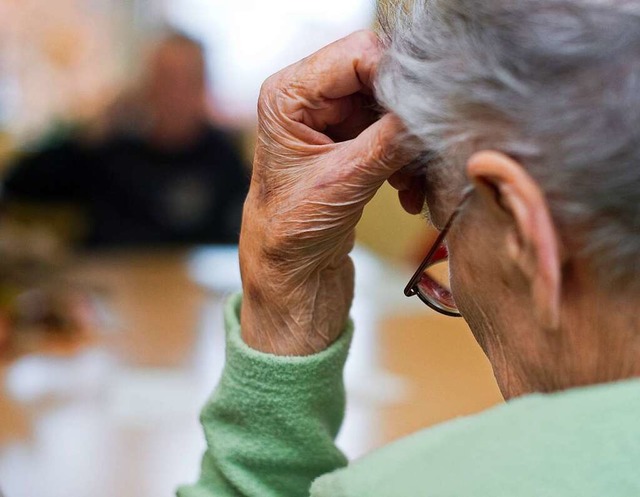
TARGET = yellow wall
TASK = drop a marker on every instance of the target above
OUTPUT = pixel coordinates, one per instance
(388, 229)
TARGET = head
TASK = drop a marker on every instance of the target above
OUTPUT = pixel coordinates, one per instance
(176, 86)
(536, 103)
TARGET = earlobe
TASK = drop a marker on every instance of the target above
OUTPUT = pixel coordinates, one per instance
(532, 244)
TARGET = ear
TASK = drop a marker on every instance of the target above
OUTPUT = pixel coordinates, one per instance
(532, 244)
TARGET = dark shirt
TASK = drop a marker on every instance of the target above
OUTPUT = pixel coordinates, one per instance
(134, 193)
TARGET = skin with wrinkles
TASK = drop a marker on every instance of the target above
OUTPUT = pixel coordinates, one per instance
(321, 155)
(530, 300)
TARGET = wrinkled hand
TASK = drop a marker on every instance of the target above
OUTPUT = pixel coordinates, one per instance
(321, 155)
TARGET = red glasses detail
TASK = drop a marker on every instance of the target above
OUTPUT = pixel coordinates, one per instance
(428, 282)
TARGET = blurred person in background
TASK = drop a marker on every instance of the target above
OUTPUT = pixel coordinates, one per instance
(520, 122)
(153, 170)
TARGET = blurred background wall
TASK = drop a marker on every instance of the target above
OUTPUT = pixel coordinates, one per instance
(64, 61)
(107, 357)
(59, 61)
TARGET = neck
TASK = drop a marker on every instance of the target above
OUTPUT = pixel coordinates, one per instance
(597, 341)
(602, 335)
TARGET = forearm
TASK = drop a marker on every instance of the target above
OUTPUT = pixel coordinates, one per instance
(321, 155)
(271, 423)
(297, 294)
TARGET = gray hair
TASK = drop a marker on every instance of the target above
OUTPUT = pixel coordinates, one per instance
(553, 83)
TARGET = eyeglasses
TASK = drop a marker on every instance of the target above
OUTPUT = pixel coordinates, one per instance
(427, 282)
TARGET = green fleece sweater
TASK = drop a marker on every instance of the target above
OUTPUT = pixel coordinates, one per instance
(271, 423)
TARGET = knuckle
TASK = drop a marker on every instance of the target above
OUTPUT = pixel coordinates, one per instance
(267, 89)
(378, 152)
(270, 89)
(364, 38)
(269, 84)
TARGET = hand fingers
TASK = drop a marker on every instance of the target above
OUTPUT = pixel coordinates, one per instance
(412, 198)
(342, 68)
(410, 183)
(364, 113)
(340, 119)
(314, 90)
(400, 180)
(411, 190)
(383, 149)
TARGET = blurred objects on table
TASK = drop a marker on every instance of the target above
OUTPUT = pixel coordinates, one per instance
(152, 170)
(119, 416)
(39, 308)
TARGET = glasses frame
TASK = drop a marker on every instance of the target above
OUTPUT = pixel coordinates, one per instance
(437, 253)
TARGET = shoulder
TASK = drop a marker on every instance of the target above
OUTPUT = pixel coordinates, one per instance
(581, 442)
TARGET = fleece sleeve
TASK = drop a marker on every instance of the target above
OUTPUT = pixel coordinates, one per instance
(270, 424)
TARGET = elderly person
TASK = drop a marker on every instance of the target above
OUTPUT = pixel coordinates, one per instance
(520, 121)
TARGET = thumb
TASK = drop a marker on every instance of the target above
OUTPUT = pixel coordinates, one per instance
(383, 148)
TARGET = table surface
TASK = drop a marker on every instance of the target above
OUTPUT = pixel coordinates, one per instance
(119, 416)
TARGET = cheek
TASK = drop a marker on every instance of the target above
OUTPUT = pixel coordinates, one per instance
(477, 303)
(480, 286)
(467, 285)
(475, 283)
(466, 268)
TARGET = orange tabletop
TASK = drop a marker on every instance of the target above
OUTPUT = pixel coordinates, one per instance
(119, 415)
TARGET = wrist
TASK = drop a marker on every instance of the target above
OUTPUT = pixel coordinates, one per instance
(297, 293)
(285, 314)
